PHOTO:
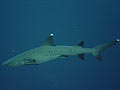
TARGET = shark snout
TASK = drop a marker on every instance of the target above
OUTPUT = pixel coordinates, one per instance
(6, 64)
(9, 63)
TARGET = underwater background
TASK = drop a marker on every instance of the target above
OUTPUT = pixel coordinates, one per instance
(25, 24)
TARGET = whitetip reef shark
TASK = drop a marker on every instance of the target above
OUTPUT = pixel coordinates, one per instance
(49, 51)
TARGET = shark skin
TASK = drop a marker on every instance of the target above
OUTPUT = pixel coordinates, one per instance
(49, 51)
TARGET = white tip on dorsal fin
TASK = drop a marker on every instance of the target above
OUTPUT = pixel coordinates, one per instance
(51, 34)
(49, 41)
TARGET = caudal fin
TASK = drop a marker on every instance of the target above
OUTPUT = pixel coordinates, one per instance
(99, 49)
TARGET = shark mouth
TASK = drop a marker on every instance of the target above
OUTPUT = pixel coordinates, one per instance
(30, 62)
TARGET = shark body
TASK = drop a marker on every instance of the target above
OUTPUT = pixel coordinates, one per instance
(49, 51)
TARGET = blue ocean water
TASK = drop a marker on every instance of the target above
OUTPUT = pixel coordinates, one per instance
(25, 24)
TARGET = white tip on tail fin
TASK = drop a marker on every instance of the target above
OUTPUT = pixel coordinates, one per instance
(99, 49)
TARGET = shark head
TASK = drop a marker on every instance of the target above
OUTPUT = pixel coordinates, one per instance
(13, 63)
(16, 61)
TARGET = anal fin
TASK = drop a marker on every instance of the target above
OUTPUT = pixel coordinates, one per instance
(99, 57)
(81, 56)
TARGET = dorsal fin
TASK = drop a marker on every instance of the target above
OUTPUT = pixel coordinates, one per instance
(81, 44)
(49, 41)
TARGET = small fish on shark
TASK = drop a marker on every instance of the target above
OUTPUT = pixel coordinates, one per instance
(49, 51)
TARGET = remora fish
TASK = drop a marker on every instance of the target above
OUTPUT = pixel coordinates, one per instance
(49, 51)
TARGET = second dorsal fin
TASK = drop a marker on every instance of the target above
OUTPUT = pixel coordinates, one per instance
(81, 44)
(49, 41)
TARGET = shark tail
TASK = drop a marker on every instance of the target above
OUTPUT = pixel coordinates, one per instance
(100, 48)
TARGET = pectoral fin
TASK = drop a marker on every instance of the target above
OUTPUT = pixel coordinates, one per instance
(30, 62)
(63, 56)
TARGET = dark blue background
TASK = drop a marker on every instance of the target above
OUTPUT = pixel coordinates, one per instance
(25, 24)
